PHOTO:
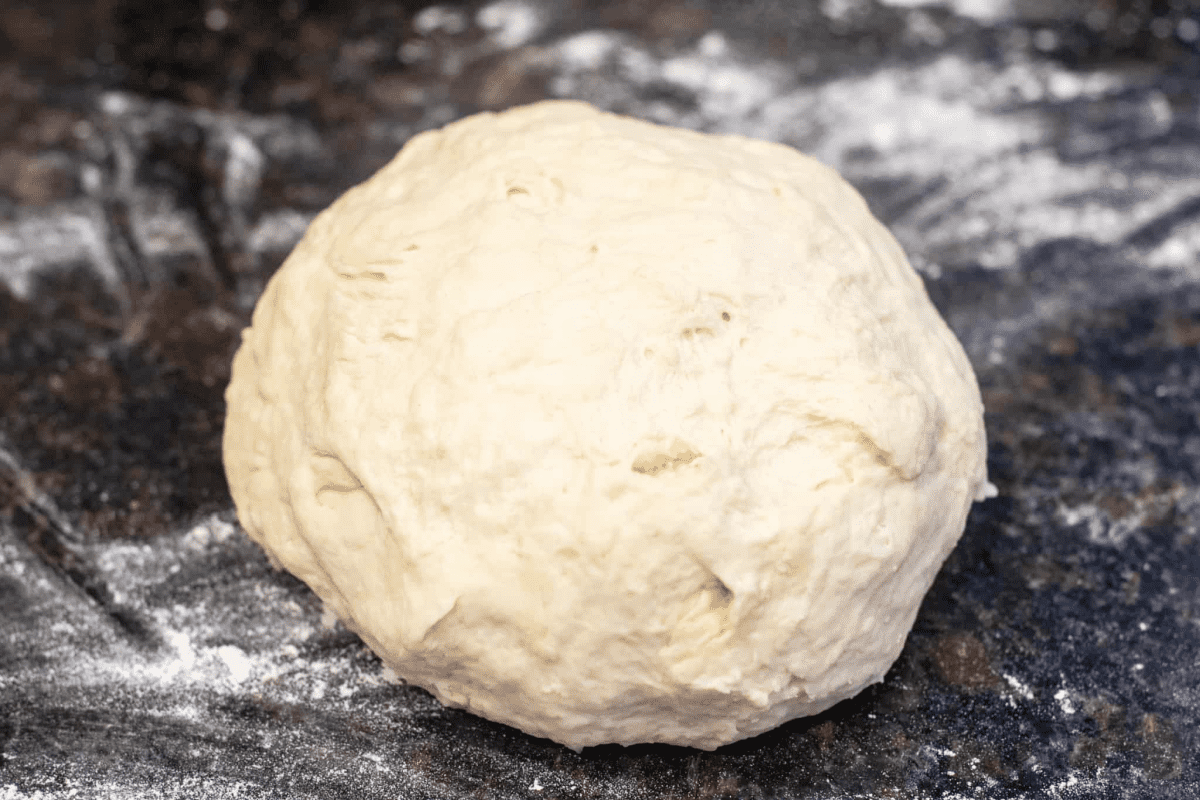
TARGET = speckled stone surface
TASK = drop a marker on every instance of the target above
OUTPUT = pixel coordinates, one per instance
(1039, 161)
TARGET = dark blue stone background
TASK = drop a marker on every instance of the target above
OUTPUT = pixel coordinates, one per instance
(1038, 159)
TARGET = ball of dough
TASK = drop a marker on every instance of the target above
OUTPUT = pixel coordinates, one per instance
(608, 431)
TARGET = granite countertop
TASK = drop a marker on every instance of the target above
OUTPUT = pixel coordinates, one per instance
(1038, 159)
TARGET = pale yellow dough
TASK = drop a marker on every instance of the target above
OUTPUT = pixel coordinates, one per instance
(608, 431)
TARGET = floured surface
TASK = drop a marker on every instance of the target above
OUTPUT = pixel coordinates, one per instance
(1042, 181)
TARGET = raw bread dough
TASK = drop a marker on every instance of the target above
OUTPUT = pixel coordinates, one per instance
(609, 431)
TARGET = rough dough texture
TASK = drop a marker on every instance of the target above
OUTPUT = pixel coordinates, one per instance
(608, 431)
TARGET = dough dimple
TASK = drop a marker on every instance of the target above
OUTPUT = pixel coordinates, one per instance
(609, 431)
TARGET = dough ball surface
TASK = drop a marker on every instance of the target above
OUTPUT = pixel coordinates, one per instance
(608, 431)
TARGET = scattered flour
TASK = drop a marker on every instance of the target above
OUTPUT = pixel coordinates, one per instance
(196, 659)
(1019, 687)
(511, 23)
(37, 240)
(439, 18)
(979, 123)
(983, 10)
(986, 124)
(237, 662)
(1064, 701)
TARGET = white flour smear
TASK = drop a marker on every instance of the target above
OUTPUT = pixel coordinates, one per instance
(970, 164)
(985, 125)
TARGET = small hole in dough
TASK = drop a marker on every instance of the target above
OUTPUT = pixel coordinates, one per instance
(654, 462)
(725, 316)
(512, 190)
(369, 275)
(711, 603)
(411, 247)
(720, 595)
(330, 474)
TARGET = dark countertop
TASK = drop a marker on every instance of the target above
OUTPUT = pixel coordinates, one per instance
(1040, 162)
